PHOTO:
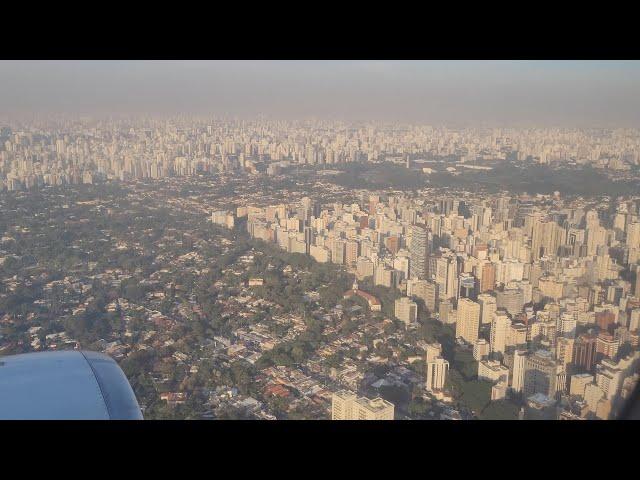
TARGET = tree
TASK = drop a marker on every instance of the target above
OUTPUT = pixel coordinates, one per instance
(418, 408)
(334, 360)
(394, 394)
(500, 410)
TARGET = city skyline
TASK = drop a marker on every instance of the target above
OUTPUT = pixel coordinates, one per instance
(247, 240)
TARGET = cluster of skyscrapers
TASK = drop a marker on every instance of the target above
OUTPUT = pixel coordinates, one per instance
(60, 151)
(544, 290)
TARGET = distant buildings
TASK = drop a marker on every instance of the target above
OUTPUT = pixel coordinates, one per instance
(223, 218)
(536, 284)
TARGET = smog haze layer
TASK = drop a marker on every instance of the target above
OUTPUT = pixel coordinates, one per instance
(456, 93)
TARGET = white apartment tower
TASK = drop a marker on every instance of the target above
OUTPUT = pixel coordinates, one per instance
(436, 374)
(500, 331)
(348, 406)
(468, 321)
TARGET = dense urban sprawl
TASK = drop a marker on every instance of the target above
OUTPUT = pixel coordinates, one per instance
(322, 270)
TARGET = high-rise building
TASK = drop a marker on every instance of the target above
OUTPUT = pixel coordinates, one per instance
(633, 235)
(308, 239)
(596, 237)
(605, 319)
(481, 349)
(419, 252)
(468, 320)
(487, 277)
(348, 406)
(383, 275)
(543, 375)
(364, 268)
(352, 250)
(401, 265)
(500, 331)
(488, 307)
(634, 320)
(517, 334)
(446, 312)
(492, 371)
(446, 276)
(512, 300)
(584, 352)
(518, 370)
(425, 290)
(606, 345)
(338, 251)
(579, 382)
(547, 236)
(432, 351)
(405, 310)
(566, 325)
(499, 390)
(564, 350)
(436, 374)
(467, 286)
(609, 378)
(392, 243)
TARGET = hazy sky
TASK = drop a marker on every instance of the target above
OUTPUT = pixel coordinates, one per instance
(555, 93)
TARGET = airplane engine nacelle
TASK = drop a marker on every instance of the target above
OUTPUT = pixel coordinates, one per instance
(65, 385)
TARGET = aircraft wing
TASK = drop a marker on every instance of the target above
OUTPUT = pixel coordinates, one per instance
(65, 385)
